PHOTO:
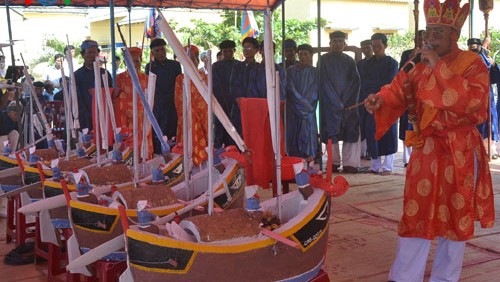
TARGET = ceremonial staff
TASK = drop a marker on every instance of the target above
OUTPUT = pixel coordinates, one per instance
(486, 6)
(415, 16)
(410, 99)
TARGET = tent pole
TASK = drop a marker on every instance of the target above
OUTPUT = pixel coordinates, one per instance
(284, 65)
(9, 25)
(320, 147)
(129, 25)
(471, 19)
(113, 42)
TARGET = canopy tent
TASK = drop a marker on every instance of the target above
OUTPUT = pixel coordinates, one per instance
(257, 5)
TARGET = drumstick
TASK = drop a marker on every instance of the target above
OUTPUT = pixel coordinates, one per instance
(354, 106)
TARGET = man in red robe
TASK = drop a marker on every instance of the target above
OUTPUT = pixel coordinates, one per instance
(122, 101)
(199, 113)
(448, 181)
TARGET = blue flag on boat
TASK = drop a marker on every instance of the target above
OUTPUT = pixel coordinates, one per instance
(248, 25)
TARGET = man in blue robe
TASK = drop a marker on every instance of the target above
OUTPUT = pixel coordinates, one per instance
(302, 100)
(475, 45)
(166, 71)
(85, 81)
(339, 89)
(367, 51)
(258, 87)
(222, 71)
(290, 52)
(240, 79)
(375, 73)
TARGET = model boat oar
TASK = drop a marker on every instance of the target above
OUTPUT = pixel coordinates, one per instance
(114, 245)
(60, 200)
(96, 254)
(25, 188)
(10, 171)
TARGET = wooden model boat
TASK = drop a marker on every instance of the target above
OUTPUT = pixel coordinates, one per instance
(95, 224)
(246, 255)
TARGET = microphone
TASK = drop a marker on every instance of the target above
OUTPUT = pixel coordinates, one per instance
(411, 64)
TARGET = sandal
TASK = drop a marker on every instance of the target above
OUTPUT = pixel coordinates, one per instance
(384, 173)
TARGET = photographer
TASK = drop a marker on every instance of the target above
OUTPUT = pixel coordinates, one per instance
(9, 119)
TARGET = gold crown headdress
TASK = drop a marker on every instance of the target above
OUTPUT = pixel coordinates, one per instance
(448, 13)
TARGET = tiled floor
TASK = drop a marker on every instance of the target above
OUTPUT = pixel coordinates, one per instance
(362, 235)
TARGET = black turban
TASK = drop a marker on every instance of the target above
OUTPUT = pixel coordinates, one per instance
(305, 47)
(338, 34)
(226, 44)
(157, 42)
(474, 41)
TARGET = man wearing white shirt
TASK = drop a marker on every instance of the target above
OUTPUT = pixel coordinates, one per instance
(53, 73)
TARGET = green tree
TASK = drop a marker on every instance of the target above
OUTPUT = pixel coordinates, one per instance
(495, 44)
(50, 47)
(397, 43)
(208, 35)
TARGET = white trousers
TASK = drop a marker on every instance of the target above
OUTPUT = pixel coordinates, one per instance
(406, 154)
(388, 164)
(363, 149)
(351, 154)
(411, 258)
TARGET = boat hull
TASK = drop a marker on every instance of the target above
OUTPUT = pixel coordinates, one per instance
(6, 162)
(158, 258)
(94, 225)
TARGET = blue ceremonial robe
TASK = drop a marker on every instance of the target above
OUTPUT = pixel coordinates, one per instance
(258, 87)
(164, 107)
(339, 89)
(403, 120)
(375, 73)
(240, 88)
(494, 78)
(222, 71)
(359, 65)
(301, 102)
(84, 79)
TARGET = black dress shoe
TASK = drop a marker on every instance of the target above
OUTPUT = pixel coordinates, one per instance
(335, 168)
(350, 169)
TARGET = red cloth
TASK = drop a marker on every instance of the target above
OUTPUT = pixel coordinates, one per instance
(257, 136)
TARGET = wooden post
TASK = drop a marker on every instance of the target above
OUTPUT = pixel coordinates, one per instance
(415, 16)
(486, 6)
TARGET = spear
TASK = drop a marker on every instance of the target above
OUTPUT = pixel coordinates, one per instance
(127, 58)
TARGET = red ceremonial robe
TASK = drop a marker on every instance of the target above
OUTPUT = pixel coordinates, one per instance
(448, 181)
